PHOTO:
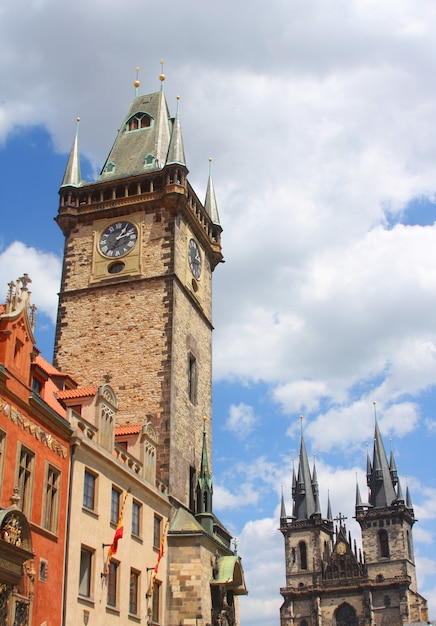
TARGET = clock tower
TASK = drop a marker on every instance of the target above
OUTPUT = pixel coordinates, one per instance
(135, 303)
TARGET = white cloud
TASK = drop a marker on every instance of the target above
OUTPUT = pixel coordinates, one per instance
(241, 420)
(43, 268)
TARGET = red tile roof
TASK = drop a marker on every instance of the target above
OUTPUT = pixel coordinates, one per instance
(68, 394)
(47, 367)
(128, 429)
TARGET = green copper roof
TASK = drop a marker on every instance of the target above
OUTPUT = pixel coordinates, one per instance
(143, 140)
(231, 574)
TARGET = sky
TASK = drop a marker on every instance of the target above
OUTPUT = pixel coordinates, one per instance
(320, 119)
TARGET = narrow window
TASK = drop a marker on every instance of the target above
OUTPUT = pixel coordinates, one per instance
(115, 505)
(51, 503)
(112, 584)
(409, 546)
(85, 576)
(157, 524)
(133, 592)
(89, 485)
(25, 480)
(383, 543)
(43, 570)
(155, 612)
(303, 555)
(136, 518)
(192, 378)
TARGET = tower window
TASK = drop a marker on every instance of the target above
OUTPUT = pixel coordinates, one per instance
(303, 554)
(192, 378)
(138, 121)
(110, 168)
(149, 159)
(383, 543)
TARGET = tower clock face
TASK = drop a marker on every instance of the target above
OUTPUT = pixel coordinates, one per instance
(341, 548)
(118, 239)
(194, 258)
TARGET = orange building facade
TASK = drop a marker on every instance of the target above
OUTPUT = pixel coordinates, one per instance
(34, 471)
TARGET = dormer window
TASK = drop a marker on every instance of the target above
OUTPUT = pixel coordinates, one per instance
(149, 160)
(110, 168)
(138, 121)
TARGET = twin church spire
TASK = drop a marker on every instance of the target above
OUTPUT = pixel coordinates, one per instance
(382, 480)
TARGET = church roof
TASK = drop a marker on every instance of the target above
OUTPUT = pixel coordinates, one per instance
(143, 139)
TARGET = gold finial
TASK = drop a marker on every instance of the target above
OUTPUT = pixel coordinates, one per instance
(136, 83)
(375, 410)
(162, 75)
(301, 424)
(77, 119)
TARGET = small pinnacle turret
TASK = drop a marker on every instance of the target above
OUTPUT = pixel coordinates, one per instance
(210, 203)
(72, 176)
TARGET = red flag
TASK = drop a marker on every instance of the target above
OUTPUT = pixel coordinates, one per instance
(159, 556)
(118, 535)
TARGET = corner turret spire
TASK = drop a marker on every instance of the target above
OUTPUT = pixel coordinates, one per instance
(210, 203)
(176, 151)
(72, 175)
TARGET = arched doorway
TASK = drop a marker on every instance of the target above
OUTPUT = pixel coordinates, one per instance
(345, 615)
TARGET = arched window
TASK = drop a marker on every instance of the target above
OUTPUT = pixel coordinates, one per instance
(345, 615)
(110, 167)
(303, 554)
(383, 541)
(138, 121)
(149, 159)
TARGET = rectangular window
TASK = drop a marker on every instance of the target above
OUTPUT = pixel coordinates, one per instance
(85, 576)
(157, 525)
(25, 480)
(134, 592)
(43, 570)
(89, 490)
(192, 378)
(155, 611)
(112, 584)
(115, 505)
(51, 499)
(136, 518)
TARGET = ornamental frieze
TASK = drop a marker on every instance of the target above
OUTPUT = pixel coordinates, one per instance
(26, 424)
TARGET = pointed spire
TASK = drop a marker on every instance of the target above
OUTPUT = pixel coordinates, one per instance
(72, 171)
(329, 509)
(282, 508)
(358, 496)
(400, 497)
(204, 484)
(382, 489)
(176, 151)
(409, 503)
(210, 203)
(305, 504)
(393, 468)
(315, 490)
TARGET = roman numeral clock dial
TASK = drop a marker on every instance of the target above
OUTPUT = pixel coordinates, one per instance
(194, 258)
(118, 239)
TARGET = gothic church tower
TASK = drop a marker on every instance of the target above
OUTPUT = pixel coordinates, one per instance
(330, 581)
(135, 304)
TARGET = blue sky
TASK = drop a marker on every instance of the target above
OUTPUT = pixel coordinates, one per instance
(322, 128)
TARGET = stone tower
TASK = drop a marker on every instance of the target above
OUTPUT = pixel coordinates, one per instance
(135, 304)
(330, 581)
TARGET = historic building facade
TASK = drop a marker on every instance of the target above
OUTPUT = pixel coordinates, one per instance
(328, 580)
(135, 309)
(34, 471)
